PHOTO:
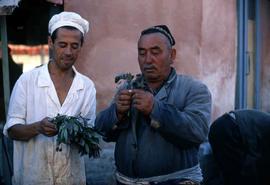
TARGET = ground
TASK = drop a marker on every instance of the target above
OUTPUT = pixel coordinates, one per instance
(99, 171)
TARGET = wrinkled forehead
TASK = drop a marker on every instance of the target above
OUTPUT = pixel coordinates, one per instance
(153, 39)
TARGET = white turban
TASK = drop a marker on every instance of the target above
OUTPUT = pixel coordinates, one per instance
(68, 19)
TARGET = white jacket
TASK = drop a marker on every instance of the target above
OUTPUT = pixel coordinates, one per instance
(33, 98)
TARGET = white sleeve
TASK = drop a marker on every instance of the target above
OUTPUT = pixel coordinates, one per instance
(89, 107)
(17, 105)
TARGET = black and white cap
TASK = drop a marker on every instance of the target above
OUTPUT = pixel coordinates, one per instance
(163, 29)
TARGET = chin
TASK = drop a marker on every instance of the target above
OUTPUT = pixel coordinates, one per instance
(66, 66)
(150, 77)
(68, 63)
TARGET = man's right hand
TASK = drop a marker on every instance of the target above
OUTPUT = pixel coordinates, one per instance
(123, 102)
(47, 128)
(24, 132)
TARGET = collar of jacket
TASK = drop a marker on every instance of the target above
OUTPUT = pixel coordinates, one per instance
(44, 79)
(162, 93)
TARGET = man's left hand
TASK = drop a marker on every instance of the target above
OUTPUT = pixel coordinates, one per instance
(142, 101)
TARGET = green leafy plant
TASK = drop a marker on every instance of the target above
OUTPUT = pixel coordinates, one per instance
(75, 130)
(132, 82)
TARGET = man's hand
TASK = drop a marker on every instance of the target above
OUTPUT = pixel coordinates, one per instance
(123, 102)
(142, 100)
(47, 128)
(24, 132)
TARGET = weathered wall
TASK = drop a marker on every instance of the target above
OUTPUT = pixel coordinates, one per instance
(205, 32)
(218, 52)
(265, 75)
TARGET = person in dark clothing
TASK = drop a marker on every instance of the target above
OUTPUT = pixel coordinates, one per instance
(15, 71)
(240, 141)
(159, 122)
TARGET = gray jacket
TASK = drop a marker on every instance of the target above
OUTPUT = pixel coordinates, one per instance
(168, 139)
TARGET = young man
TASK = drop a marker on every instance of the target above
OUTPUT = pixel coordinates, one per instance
(54, 88)
(158, 125)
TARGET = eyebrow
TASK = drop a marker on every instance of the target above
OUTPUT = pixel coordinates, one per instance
(61, 42)
(154, 47)
(64, 42)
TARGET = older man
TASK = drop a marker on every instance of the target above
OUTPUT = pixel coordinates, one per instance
(54, 88)
(158, 124)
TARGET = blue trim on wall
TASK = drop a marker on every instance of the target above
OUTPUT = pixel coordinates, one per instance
(243, 55)
(246, 54)
(258, 43)
(239, 54)
(241, 81)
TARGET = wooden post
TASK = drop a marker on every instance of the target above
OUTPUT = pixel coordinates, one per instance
(5, 164)
(5, 63)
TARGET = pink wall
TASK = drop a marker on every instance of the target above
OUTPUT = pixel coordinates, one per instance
(265, 75)
(205, 33)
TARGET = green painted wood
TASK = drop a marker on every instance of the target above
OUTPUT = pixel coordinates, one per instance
(4, 168)
(5, 64)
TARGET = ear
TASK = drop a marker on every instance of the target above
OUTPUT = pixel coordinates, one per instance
(173, 54)
(50, 42)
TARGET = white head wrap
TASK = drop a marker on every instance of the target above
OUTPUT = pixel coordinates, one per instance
(68, 19)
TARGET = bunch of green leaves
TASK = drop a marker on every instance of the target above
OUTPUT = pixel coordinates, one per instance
(75, 130)
(125, 76)
(139, 83)
(133, 82)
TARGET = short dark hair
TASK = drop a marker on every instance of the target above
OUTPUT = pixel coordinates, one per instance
(53, 36)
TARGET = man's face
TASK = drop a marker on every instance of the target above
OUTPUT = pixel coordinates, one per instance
(66, 47)
(155, 56)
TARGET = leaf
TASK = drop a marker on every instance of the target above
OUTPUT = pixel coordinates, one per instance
(75, 130)
(82, 142)
(86, 148)
(65, 135)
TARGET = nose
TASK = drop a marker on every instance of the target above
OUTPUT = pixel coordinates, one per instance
(148, 58)
(68, 50)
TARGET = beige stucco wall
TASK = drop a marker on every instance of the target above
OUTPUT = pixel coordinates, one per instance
(205, 33)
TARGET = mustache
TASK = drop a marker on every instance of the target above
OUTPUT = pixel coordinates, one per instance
(149, 66)
(67, 58)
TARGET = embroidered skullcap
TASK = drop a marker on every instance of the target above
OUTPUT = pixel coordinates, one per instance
(68, 19)
(163, 29)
